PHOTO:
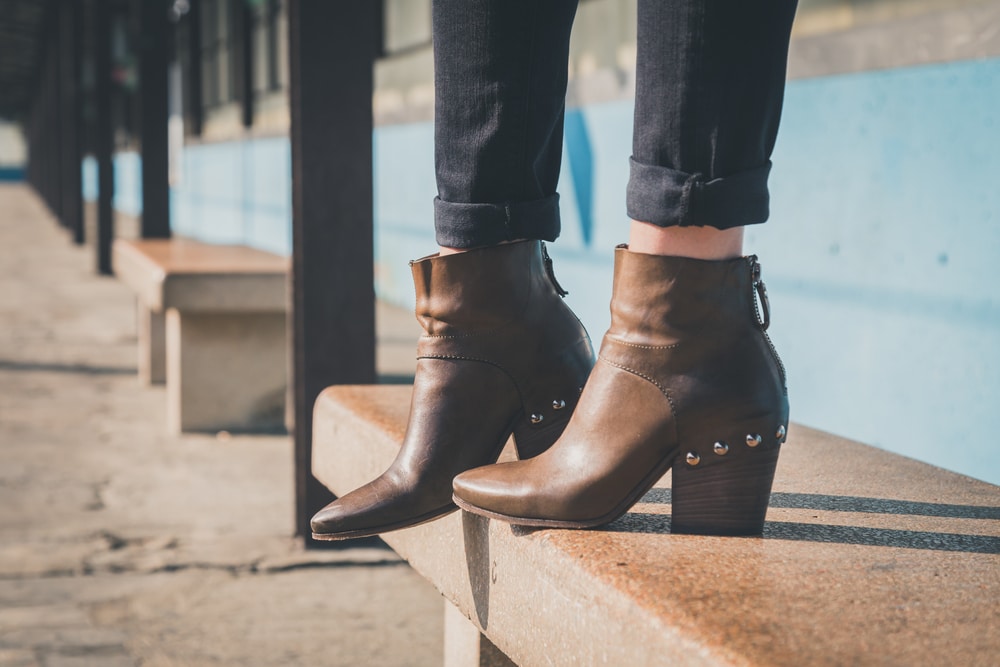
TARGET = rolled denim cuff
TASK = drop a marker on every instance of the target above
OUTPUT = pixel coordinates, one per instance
(475, 225)
(669, 198)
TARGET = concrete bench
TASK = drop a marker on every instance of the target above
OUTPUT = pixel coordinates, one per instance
(867, 558)
(212, 326)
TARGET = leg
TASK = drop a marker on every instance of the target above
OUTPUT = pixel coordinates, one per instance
(686, 377)
(500, 70)
(710, 80)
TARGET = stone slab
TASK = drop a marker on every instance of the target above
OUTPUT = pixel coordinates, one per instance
(190, 275)
(226, 371)
(465, 645)
(867, 557)
(151, 332)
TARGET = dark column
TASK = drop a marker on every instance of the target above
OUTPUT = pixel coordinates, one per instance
(244, 61)
(193, 98)
(40, 147)
(332, 48)
(71, 195)
(29, 138)
(31, 132)
(153, 48)
(52, 129)
(103, 137)
(55, 105)
(37, 156)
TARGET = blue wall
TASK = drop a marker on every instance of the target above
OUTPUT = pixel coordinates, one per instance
(885, 225)
(11, 174)
(128, 183)
(881, 258)
(238, 192)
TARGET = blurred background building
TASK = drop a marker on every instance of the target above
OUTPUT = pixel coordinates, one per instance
(885, 223)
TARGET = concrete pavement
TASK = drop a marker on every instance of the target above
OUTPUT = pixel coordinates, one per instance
(120, 545)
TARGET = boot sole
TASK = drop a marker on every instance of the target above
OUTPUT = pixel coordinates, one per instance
(530, 441)
(372, 532)
(631, 499)
(744, 494)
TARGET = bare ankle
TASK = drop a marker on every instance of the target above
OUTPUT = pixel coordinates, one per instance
(696, 242)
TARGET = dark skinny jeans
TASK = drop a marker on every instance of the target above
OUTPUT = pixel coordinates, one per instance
(710, 79)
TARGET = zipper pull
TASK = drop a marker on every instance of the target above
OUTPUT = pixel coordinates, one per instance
(547, 261)
(761, 288)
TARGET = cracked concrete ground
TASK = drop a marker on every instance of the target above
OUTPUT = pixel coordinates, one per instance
(121, 545)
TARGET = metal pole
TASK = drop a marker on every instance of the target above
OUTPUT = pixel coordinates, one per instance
(53, 135)
(193, 96)
(103, 137)
(332, 48)
(152, 47)
(71, 195)
(245, 40)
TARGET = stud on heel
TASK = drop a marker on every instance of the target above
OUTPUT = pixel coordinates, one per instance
(538, 431)
(728, 496)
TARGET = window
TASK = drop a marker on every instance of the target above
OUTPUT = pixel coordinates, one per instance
(219, 84)
(243, 49)
(269, 29)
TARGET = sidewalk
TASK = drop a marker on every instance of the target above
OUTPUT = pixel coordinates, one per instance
(120, 545)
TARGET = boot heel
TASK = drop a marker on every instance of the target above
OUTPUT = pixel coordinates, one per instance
(531, 439)
(724, 492)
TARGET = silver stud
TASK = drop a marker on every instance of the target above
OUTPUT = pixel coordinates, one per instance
(753, 439)
(692, 459)
(558, 404)
(537, 418)
(721, 448)
(781, 432)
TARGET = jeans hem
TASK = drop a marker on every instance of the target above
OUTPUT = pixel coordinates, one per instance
(670, 198)
(459, 225)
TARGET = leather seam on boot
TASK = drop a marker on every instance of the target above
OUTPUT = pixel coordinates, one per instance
(476, 359)
(502, 369)
(459, 358)
(645, 377)
(481, 332)
(619, 341)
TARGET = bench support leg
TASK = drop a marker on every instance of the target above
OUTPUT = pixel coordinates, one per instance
(226, 371)
(151, 331)
(465, 645)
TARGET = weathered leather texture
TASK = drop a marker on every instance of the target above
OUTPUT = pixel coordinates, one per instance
(685, 364)
(499, 345)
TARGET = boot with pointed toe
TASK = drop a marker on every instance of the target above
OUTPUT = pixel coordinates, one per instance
(686, 378)
(501, 353)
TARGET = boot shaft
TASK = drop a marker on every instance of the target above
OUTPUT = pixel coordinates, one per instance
(482, 289)
(663, 301)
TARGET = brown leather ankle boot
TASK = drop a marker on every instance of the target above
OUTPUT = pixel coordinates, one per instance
(686, 378)
(501, 352)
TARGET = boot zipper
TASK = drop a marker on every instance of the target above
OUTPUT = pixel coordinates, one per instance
(765, 304)
(761, 303)
(547, 261)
